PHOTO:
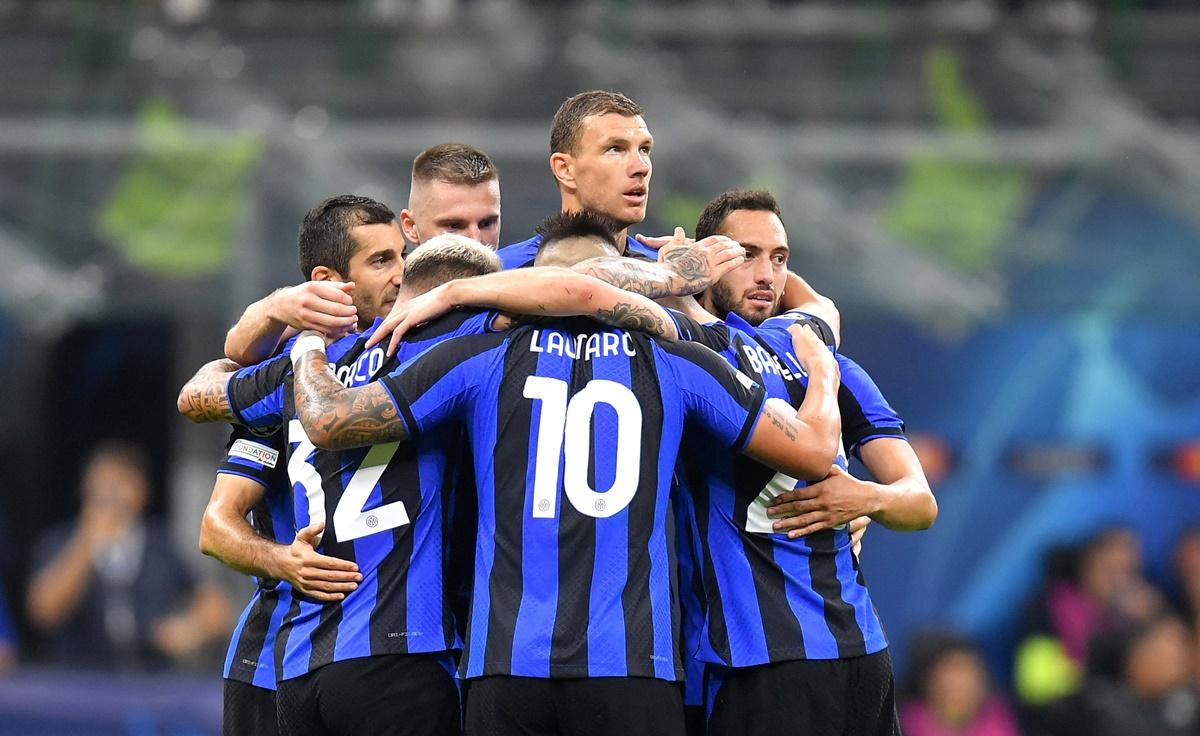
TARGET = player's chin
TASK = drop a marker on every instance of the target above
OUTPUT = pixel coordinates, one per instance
(756, 313)
(632, 214)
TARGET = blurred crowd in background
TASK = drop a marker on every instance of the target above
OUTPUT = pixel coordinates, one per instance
(1102, 649)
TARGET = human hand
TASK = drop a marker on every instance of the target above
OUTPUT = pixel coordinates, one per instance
(858, 528)
(176, 636)
(832, 502)
(407, 315)
(656, 242)
(700, 264)
(810, 350)
(323, 306)
(317, 576)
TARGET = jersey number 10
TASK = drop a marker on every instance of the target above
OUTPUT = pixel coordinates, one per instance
(565, 432)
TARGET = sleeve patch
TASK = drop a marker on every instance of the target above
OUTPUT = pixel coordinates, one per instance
(254, 452)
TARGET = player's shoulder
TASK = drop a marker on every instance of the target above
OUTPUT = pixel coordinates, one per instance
(636, 250)
(781, 322)
(519, 255)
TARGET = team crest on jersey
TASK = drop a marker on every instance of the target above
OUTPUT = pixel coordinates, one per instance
(254, 452)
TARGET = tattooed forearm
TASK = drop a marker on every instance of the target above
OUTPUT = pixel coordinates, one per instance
(781, 423)
(205, 397)
(648, 279)
(631, 317)
(336, 417)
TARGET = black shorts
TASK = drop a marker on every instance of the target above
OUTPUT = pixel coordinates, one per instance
(249, 710)
(816, 697)
(599, 706)
(388, 694)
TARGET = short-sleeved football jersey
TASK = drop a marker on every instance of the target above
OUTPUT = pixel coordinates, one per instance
(769, 598)
(251, 655)
(575, 429)
(384, 507)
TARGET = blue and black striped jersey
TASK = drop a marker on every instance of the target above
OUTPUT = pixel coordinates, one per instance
(575, 430)
(250, 658)
(769, 598)
(384, 508)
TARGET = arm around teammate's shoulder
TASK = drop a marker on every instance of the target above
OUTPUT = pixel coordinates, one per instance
(336, 417)
(804, 444)
(205, 397)
(906, 502)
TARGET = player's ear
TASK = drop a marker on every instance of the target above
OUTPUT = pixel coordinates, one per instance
(409, 227)
(325, 273)
(562, 165)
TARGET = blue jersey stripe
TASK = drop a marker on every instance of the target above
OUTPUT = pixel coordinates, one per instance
(606, 615)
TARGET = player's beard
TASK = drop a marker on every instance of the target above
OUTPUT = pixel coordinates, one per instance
(724, 302)
(369, 309)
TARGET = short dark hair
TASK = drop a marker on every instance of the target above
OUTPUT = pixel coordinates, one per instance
(715, 212)
(568, 121)
(454, 163)
(578, 225)
(446, 257)
(324, 238)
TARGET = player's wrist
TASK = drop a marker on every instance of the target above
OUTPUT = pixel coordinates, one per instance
(307, 342)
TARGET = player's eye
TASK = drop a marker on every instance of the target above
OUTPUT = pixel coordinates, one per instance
(779, 259)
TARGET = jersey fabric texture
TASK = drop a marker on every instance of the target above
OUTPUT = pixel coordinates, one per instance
(521, 255)
(768, 598)
(575, 430)
(384, 508)
(250, 658)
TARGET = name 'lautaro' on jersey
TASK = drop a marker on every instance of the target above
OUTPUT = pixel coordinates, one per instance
(582, 346)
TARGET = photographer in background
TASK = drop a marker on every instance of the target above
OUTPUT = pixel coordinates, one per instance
(109, 590)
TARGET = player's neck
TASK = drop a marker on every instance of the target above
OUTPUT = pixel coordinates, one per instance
(571, 204)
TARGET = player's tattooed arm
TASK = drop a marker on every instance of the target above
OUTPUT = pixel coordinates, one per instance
(527, 295)
(684, 267)
(633, 316)
(336, 417)
(205, 397)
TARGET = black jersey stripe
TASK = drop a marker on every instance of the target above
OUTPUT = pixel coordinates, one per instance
(248, 651)
(514, 418)
(643, 513)
(839, 615)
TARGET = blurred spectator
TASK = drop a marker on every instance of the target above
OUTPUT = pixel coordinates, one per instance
(953, 694)
(1094, 589)
(8, 638)
(1187, 571)
(1140, 682)
(108, 588)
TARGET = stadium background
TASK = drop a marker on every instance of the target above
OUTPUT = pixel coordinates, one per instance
(1000, 196)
